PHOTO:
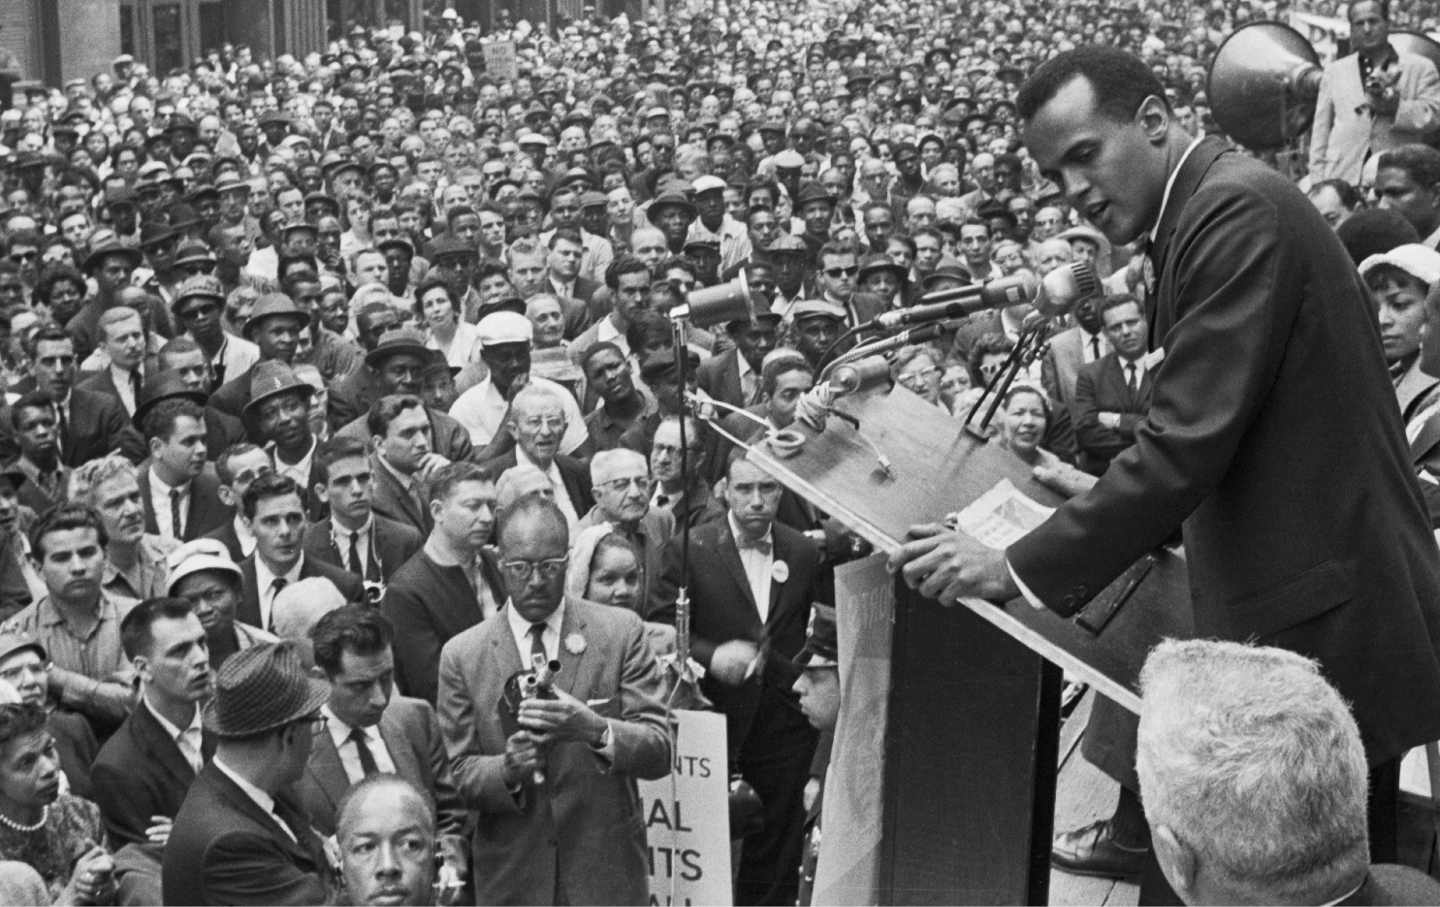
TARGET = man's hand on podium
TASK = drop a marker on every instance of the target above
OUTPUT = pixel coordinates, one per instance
(948, 565)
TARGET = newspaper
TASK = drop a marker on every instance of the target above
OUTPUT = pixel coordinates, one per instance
(1001, 516)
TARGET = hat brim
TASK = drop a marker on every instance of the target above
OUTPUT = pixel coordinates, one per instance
(318, 693)
(381, 353)
(254, 402)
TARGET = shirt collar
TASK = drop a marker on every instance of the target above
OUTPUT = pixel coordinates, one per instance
(341, 534)
(262, 799)
(195, 725)
(521, 627)
(523, 459)
(264, 579)
(159, 485)
(1170, 184)
(340, 731)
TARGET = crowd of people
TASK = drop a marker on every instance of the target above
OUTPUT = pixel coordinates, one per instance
(342, 401)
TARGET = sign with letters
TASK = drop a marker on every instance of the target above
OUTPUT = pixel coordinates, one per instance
(687, 817)
(500, 59)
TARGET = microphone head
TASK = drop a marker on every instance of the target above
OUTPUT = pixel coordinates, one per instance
(1013, 289)
(1066, 285)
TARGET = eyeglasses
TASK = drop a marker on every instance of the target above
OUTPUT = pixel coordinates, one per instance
(619, 485)
(523, 570)
(20, 257)
(535, 423)
(916, 379)
(842, 272)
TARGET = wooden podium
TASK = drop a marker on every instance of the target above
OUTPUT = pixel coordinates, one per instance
(970, 744)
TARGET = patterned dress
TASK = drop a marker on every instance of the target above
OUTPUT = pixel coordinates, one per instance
(72, 828)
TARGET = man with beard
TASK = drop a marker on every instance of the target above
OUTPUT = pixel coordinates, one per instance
(134, 559)
(144, 770)
(180, 495)
(397, 366)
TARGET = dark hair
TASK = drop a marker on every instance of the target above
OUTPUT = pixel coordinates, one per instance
(566, 234)
(456, 211)
(270, 485)
(1383, 4)
(222, 462)
(340, 447)
(136, 628)
(57, 274)
(160, 421)
(20, 718)
(445, 479)
(625, 264)
(987, 345)
(595, 349)
(1116, 301)
(644, 325)
(1420, 162)
(64, 517)
(1349, 196)
(49, 333)
(33, 400)
(431, 283)
(1019, 389)
(357, 628)
(1121, 81)
(383, 411)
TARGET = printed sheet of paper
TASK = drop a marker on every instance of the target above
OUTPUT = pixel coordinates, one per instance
(1001, 516)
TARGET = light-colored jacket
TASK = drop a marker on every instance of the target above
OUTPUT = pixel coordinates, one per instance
(1346, 132)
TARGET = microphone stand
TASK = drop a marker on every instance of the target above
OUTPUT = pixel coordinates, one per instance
(685, 676)
(1031, 344)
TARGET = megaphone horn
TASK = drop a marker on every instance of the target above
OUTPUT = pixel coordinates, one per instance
(721, 304)
(1263, 84)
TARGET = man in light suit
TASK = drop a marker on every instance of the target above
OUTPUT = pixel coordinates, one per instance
(1371, 100)
(1070, 350)
(1112, 394)
(369, 730)
(559, 819)
(752, 581)
(1273, 383)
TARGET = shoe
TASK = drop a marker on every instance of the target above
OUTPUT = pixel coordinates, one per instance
(1093, 851)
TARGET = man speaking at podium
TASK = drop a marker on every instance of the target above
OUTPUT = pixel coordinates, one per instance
(1273, 439)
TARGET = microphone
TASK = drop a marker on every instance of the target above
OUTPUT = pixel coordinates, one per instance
(1015, 289)
(844, 378)
(1064, 286)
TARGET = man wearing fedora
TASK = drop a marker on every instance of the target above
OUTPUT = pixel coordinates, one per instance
(111, 265)
(277, 417)
(398, 365)
(274, 326)
(239, 838)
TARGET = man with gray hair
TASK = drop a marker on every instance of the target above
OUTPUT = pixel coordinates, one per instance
(134, 559)
(1254, 781)
(620, 480)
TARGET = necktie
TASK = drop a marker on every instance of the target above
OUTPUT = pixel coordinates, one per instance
(135, 384)
(218, 368)
(1094, 347)
(355, 565)
(62, 416)
(362, 749)
(1130, 379)
(763, 546)
(177, 525)
(537, 641)
(275, 587)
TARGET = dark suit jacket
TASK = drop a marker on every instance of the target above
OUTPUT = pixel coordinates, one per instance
(1273, 384)
(101, 382)
(448, 437)
(140, 773)
(351, 396)
(1100, 387)
(225, 850)
(719, 376)
(349, 585)
(581, 833)
(98, 425)
(1391, 883)
(722, 609)
(412, 737)
(392, 501)
(574, 473)
(395, 543)
(230, 398)
(206, 511)
(226, 533)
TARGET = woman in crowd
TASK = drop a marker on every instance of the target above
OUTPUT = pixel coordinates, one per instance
(439, 313)
(605, 568)
(1023, 421)
(54, 833)
(916, 368)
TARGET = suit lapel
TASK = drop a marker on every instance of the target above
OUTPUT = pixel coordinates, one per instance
(156, 743)
(730, 557)
(327, 769)
(250, 604)
(573, 623)
(143, 479)
(398, 744)
(1187, 180)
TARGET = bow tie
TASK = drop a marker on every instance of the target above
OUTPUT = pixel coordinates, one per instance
(763, 546)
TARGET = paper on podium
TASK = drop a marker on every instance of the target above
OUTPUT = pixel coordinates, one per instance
(936, 469)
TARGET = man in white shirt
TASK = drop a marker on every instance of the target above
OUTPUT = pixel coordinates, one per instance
(143, 771)
(277, 416)
(713, 223)
(505, 339)
(236, 468)
(180, 496)
(370, 730)
(122, 339)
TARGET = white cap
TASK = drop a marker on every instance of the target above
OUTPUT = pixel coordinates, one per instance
(707, 183)
(1419, 261)
(505, 327)
(197, 556)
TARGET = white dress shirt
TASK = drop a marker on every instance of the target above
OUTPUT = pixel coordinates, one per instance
(482, 411)
(261, 799)
(124, 388)
(341, 537)
(349, 752)
(265, 590)
(160, 502)
(520, 629)
(188, 740)
(758, 567)
(299, 471)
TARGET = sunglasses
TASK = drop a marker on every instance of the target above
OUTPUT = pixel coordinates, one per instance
(842, 272)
